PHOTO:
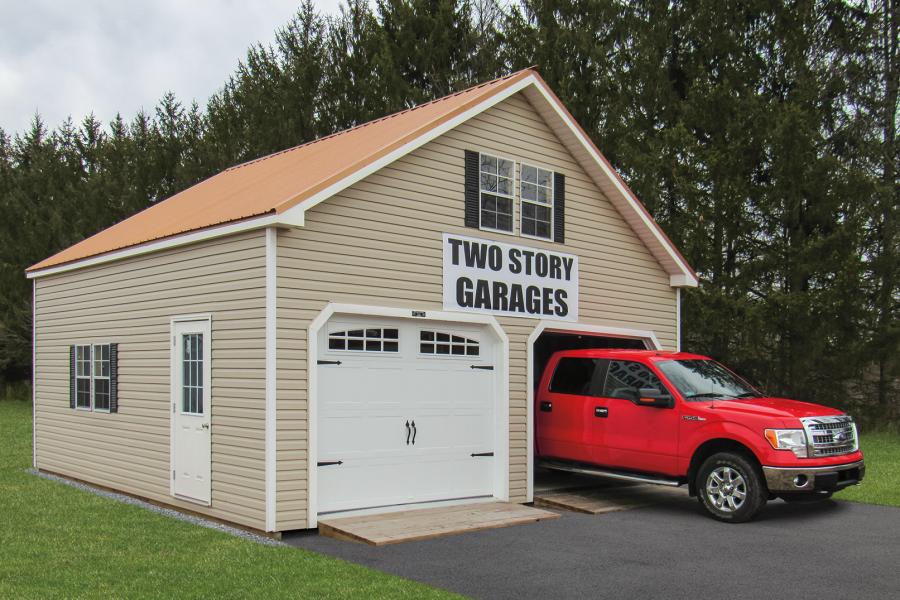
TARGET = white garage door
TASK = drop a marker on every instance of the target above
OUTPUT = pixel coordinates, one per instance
(405, 412)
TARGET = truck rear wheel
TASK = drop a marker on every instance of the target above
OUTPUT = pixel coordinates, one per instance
(729, 487)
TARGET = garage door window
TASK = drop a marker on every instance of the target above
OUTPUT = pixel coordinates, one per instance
(447, 344)
(365, 340)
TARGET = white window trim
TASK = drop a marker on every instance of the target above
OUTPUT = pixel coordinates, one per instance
(92, 407)
(512, 196)
(467, 337)
(95, 377)
(552, 204)
(89, 377)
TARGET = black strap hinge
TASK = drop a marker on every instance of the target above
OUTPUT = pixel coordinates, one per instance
(484, 367)
(328, 362)
(482, 454)
(328, 463)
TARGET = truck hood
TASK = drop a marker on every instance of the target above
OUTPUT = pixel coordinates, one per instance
(776, 408)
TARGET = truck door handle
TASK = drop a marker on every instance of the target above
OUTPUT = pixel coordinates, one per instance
(601, 412)
(546, 407)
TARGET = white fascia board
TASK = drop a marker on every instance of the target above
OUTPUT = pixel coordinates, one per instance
(410, 146)
(680, 281)
(685, 275)
(283, 220)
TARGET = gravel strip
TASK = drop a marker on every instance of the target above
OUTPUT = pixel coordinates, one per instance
(247, 535)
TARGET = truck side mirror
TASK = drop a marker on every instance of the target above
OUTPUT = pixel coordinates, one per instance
(654, 397)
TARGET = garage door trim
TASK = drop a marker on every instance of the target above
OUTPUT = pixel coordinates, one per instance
(647, 336)
(501, 401)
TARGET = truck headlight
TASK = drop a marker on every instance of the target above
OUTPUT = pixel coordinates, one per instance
(788, 439)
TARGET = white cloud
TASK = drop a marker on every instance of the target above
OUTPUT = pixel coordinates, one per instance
(70, 58)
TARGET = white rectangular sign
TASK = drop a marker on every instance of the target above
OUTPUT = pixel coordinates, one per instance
(517, 281)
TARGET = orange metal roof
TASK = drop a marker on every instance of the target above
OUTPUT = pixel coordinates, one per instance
(275, 183)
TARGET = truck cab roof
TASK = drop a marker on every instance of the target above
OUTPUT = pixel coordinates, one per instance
(625, 354)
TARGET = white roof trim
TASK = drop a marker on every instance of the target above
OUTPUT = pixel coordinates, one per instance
(183, 239)
(680, 274)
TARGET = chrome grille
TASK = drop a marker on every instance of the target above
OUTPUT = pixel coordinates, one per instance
(831, 436)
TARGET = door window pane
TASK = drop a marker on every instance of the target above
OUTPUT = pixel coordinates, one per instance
(626, 377)
(579, 376)
(192, 373)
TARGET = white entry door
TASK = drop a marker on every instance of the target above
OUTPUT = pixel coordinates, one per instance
(405, 412)
(191, 455)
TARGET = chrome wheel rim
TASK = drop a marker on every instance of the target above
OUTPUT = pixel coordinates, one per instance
(726, 489)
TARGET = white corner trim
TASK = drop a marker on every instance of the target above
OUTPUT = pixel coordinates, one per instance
(678, 319)
(678, 281)
(501, 449)
(271, 376)
(33, 378)
(293, 220)
(646, 335)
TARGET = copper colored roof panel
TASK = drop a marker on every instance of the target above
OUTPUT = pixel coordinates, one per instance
(275, 183)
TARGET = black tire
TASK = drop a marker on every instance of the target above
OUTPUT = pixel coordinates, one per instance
(807, 498)
(741, 494)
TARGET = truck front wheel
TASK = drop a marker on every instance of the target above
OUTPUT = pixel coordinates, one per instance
(729, 487)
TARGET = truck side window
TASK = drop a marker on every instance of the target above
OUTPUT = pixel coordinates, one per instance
(626, 377)
(579, 376)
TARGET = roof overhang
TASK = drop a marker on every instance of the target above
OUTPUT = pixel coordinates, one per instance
(291, 211)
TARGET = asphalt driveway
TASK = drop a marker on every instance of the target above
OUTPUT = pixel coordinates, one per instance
(829, 550)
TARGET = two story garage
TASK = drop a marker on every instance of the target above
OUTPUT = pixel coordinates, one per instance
(353, 324)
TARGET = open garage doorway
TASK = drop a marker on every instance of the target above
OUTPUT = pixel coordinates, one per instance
(547, 339)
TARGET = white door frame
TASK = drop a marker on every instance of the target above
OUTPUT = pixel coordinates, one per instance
(645, 335)
(207, 399)
(501, 401)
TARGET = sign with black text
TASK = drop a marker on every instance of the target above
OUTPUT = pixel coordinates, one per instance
(517, 281)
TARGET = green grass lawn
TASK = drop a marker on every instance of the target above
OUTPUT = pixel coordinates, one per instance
(882, 482)
(57, 541)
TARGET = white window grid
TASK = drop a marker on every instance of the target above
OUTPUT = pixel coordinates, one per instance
(496, 180)
(445, 343)
(92, 377)
(83, 384)
(536, 195)
(365, 339)
(192, 374)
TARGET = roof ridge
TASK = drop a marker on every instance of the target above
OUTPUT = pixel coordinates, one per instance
(374, 121)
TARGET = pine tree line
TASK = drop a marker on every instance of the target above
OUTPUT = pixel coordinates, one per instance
(762, 135)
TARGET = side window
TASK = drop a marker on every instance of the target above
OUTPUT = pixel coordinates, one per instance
(626, 377)
(579, 376)
(495, 178)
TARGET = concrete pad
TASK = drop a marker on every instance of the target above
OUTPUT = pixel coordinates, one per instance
(428, 523)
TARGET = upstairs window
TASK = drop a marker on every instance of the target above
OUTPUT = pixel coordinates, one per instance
(537, 202)
(365, 340)
(496, 183)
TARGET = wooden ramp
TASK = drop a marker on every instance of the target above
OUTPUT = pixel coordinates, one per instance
(428, 523)
(598, 500)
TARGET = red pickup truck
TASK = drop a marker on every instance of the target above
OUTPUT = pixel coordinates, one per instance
(673, 418)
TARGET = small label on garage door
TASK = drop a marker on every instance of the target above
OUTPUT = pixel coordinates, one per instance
(491, 277)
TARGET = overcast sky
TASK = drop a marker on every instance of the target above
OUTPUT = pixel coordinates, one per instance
(74, 57)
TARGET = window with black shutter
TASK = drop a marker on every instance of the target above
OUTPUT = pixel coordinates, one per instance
(93, 377)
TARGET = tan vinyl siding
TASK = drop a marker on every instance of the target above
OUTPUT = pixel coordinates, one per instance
(131, 302)
(379, 242)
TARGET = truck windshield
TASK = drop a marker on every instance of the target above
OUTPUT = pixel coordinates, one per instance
(705, 380)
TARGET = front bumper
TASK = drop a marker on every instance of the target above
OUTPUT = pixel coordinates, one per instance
(814, 479)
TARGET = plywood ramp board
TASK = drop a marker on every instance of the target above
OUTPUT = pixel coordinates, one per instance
(598, 500)
(428, 523)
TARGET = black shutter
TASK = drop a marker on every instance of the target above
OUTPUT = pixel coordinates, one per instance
(113, 378)
(71, 376)
(472, 203)
(559, 208)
